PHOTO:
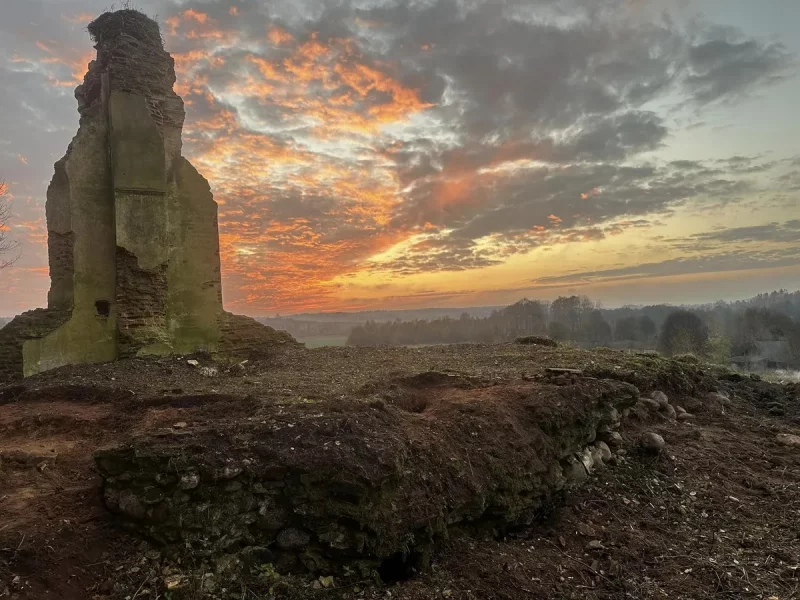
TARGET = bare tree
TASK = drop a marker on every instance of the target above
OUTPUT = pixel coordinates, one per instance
(7, 246)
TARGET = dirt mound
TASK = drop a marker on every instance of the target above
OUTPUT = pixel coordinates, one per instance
(713, 515)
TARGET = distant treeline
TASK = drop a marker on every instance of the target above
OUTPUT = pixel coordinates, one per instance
(719, 331)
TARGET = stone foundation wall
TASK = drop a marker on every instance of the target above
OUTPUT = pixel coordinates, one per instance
(352, 484)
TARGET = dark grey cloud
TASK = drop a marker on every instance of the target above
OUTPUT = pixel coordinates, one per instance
(731, 261)
(788, 231)
(723, 69)
(549, 205)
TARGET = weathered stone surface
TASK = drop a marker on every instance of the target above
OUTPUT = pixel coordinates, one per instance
(669, 411)
(661, 398)
(788, 439)
(132, 226)
(652, 442)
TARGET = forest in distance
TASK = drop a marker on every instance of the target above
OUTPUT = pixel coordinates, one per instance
(765, 328)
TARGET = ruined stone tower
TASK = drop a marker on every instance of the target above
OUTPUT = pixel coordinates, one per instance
(132, 226)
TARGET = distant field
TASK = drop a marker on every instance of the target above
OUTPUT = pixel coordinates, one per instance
(323, 340)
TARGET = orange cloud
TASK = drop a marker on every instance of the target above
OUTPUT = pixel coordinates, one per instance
(192, 24)
(278, 36)
(56, 61)
(80, 19)
(193, 15)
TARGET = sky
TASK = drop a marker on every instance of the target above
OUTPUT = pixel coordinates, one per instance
(403, 154)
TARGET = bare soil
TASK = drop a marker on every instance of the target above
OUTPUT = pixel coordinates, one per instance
(716, 515)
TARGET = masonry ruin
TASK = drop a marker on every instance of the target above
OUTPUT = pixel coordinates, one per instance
(133, 241)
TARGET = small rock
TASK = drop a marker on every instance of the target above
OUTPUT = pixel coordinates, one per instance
(649, 404)
(652, 442)
(594, 546)
(209, 371)
(787, 439)
(661, 398)
(717, 397)
(605, 451)
(680, 410)
(189, 481)
(777, 409)
(231, 471)
(574, 471)
(586, 459)
(292, 538)
(165, 479)
(611, 418)
(669, 410)
(130, 505)
(180, 425)
(612, 438)
(597, 457)
(193, 362)
(693, 405)
(684, 416)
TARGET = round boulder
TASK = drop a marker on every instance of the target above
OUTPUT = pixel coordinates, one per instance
(604, 451)
(652, 442)
(661, 398)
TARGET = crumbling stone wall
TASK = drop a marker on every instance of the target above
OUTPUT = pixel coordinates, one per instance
(29, 325)
(242, 336)
(130, 50)
(132, 226)
(141, 302)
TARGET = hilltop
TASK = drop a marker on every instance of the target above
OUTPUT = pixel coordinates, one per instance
(471, 471)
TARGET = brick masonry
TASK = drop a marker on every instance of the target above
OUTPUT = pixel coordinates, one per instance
(132, 227)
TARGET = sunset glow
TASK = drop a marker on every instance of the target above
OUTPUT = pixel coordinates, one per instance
(426, 155)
